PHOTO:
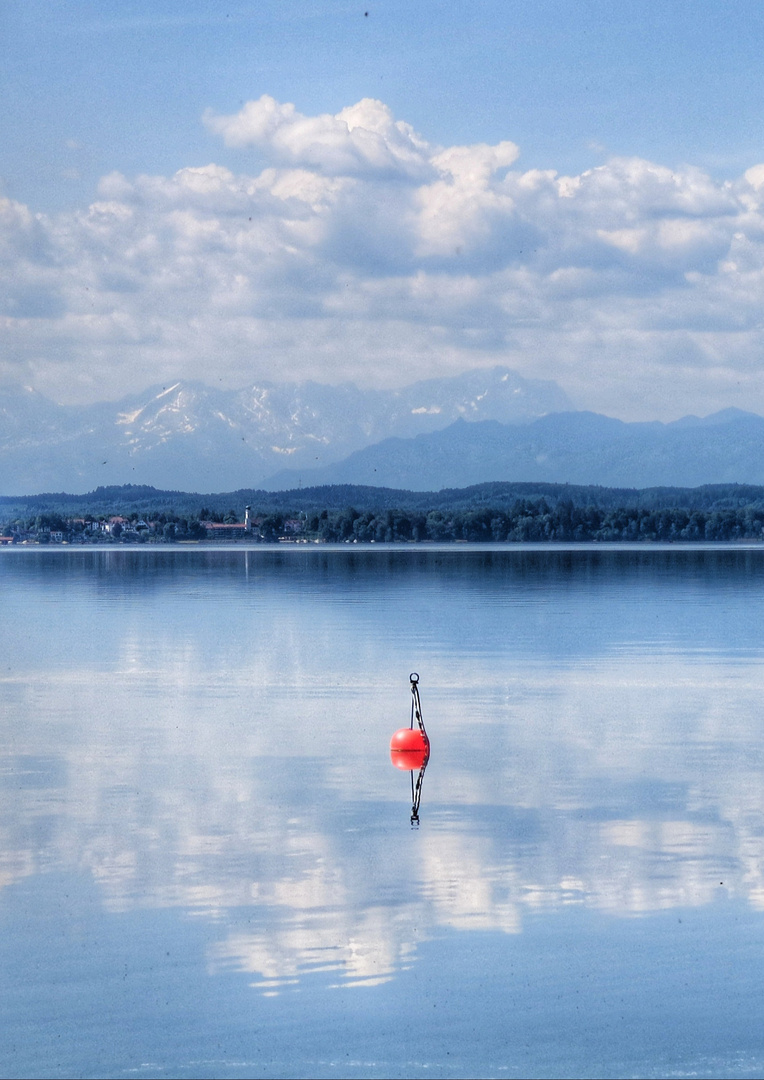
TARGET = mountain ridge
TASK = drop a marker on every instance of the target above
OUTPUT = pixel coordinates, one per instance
(482, 426)
(189, 434)
(574, 447)
(142, 498)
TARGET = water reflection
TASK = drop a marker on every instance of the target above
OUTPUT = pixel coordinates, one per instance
(416, 792)
(211, 735)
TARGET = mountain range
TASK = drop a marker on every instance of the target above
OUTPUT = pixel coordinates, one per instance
(485, 425)
(573, 447)
(196, 437)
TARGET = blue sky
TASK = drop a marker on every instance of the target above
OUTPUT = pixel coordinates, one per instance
(571, 83)
(618, 249)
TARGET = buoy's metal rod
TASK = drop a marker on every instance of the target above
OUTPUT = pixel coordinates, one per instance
(416, 712)
(416, 705)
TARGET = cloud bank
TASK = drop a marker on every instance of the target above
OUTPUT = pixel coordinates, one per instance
(357, 250)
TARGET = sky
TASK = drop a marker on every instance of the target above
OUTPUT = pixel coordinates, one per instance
(382, 191)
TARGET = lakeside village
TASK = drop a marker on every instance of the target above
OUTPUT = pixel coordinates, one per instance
(164, 528)
(525, 520)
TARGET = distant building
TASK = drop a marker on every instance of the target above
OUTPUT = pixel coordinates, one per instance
(217, 531)
(247, 529)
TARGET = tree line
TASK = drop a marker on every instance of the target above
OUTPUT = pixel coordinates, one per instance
(527, 520)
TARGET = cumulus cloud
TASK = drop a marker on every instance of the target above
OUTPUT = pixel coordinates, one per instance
(361, 251)
(360, 140)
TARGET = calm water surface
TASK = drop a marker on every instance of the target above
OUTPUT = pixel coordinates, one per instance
(206, 861)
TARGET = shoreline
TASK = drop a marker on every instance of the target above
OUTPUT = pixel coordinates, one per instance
(412, 546)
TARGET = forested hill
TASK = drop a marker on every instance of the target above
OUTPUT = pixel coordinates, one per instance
(150, 502)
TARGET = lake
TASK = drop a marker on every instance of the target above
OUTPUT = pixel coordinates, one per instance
(206, 856)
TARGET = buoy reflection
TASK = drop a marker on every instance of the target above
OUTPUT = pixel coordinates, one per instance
(410, 749)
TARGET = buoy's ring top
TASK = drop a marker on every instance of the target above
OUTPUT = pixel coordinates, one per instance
(414, 678)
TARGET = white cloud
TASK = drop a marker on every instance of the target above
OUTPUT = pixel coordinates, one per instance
(363, 252)
(362, 139)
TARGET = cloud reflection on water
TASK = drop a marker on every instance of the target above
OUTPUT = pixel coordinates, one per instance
(235, 766)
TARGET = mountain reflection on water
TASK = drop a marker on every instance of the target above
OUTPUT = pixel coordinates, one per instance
(209, 732)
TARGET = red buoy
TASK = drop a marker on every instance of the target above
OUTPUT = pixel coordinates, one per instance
(409, 749)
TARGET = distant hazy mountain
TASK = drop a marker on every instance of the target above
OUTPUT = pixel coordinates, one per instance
(576, 448)
(195, 437)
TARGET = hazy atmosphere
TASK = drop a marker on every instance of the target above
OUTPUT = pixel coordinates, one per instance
(383, 193)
